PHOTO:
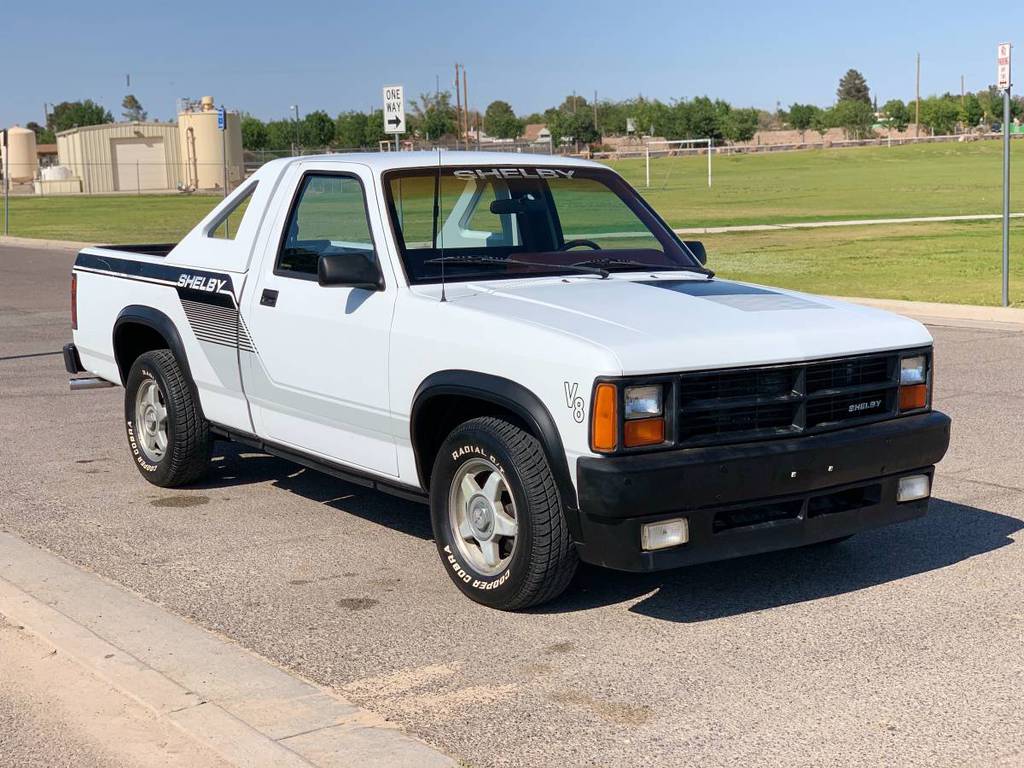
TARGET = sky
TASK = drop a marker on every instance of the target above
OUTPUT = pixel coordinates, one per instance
(261, 58)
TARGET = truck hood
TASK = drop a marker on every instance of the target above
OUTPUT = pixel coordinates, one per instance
(688, 322)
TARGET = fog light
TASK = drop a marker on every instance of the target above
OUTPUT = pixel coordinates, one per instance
(913, 487)
(667, 533)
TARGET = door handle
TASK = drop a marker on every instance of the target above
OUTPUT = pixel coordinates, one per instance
(268, 298)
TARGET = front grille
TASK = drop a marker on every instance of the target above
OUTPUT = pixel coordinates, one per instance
(775, 401)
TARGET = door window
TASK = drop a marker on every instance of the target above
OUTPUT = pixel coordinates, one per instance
(328, 216)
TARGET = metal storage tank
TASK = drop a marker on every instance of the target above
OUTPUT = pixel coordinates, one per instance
(204, 146)
(20, 159)
(122, 157)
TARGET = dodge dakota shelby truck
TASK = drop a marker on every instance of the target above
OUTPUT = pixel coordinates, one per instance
(523, 343)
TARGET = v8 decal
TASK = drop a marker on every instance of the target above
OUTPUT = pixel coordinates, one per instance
(574, 402)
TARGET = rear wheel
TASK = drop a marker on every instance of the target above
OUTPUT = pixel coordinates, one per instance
(497, 516)
(167, 435)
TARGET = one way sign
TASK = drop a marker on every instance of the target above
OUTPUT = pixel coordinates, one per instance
(394, 109)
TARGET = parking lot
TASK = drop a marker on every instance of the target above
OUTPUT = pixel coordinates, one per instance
(903, 645)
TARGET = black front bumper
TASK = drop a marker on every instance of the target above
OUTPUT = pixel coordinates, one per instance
(755, 497)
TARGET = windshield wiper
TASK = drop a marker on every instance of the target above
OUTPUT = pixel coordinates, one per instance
(607, 261)
(486, 261)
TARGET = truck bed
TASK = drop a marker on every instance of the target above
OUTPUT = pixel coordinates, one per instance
(147, 249)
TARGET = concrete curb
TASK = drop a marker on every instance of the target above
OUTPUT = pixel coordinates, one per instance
(244, 708)
(956, 315)
(43, 245)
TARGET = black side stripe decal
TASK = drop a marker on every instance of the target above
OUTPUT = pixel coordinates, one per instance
(207, 298)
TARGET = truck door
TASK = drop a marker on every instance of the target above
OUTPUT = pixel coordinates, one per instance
(317, 378)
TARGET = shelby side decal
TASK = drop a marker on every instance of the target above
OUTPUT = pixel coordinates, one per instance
(207, 298)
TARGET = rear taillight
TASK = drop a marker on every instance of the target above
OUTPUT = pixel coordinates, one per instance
(74, 302)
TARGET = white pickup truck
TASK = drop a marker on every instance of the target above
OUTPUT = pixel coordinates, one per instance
(523, 343)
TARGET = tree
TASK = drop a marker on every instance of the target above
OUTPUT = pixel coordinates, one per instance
(741, 124)
(896, 114)
(574, 103)
(970, 111)
(854, 117)
(350, 130)
(43, 135)
(317, 129)
(133, 111)
(823, 120)
(703, 119)
(801, 116)
(578, 128)
(280, 134)
(940, 115)
(501, 122)
(434, 115)
(77, 114)
(254, 133)
(853, 87)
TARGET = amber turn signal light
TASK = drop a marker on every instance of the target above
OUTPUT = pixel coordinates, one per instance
(604, 425)
(913, 397)
(644, 432)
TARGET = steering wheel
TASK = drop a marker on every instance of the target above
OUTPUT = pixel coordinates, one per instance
(568, 244)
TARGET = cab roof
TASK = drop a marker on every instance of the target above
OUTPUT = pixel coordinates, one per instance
(389, 161)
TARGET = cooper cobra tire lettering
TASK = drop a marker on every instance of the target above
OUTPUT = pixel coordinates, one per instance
(542, 558)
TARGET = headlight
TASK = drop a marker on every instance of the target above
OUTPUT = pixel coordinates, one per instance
(914, 370)
(644, 414)
(643, 402)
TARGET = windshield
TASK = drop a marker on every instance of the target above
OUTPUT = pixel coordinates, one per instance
(501, 222)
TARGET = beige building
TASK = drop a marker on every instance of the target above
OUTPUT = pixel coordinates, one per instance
(123, 157)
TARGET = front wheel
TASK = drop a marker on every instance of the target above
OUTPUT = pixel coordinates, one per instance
(167, 435)
(497, 516)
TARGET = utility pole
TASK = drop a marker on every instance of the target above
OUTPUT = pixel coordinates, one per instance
(458, 107)
(295, 109)
(465, 102)
(917, 103)
(595, 109)
(963, 93)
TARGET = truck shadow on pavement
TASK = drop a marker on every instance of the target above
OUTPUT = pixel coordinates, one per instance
(235, 464)
(948, 534)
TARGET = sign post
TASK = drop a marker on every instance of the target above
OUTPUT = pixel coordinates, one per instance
(394, 111)
(1003, 82)
(7, 185)
(222, 126)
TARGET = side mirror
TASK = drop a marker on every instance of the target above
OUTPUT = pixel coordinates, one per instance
(354, 270)
(696, 247)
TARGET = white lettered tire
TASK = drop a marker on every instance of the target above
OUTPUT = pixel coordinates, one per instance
(168, 437)
(497, 516)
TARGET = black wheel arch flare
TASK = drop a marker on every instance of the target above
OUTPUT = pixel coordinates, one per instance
(513, 397)
(156, 320)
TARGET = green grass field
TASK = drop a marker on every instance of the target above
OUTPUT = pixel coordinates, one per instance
(955, 262)
(828, 184)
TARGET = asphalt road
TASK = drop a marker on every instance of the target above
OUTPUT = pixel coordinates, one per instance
(902, 646)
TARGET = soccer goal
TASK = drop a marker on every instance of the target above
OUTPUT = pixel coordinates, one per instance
(677, 148)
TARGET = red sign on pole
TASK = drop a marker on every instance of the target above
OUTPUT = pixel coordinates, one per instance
(1003, 66)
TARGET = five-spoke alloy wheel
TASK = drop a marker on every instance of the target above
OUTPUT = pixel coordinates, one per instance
(497, 516)
(167, 435)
